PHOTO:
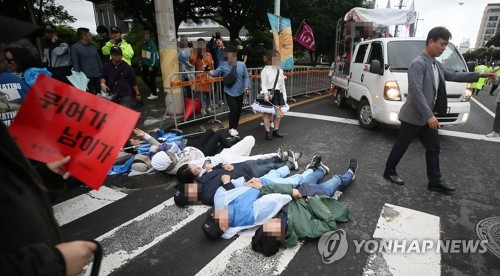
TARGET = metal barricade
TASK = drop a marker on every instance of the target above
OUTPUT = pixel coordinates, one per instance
(299, 81)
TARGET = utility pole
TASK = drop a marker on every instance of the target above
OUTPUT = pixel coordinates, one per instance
(396, 28)
(169, 62)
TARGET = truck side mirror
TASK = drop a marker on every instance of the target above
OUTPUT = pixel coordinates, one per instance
(375, 67)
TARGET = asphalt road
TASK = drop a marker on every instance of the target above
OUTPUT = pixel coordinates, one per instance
(144, 233)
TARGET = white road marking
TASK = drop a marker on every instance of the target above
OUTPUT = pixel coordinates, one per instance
(450, 133)
(483, 107)
(82, 205)
(402, 224)
(115, 259)
(242, 245)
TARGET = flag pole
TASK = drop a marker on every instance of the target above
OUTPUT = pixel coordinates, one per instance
(299, 28)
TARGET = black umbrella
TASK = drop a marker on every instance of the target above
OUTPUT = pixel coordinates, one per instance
(12, 29)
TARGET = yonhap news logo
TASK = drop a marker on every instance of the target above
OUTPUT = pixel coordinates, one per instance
(334, 245)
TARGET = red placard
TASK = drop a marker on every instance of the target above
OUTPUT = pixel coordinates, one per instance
(57, 120)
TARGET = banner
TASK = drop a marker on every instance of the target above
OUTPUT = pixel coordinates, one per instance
(385, 17)
(305, 37)
(57, 120)
(412, 14)
(282, 34)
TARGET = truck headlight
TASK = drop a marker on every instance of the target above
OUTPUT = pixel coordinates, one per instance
(391, 91)
(467, 93)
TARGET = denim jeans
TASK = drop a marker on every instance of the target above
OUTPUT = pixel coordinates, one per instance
(261, 167)
(333, 184)
(279, 177)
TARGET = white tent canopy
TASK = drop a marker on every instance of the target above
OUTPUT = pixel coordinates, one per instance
(385, 17)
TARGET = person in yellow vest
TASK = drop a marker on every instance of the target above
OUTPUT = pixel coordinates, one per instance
(477, 86)
(117, 40)
(496, 82)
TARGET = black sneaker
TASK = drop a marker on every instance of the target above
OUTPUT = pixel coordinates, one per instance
(324, 167)
(283, 155)
(298, 155)
(353, 166)
(315, 161)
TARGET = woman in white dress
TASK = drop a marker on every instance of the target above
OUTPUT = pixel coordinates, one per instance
(267, 104)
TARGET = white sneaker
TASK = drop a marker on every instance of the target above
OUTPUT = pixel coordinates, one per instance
(272, 124)
(494, 134)
(152, 97)
(233, 132)
(157, 90)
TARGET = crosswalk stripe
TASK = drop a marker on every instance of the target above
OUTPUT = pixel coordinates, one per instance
(117, 255)
(240, 252)
(405, 225)
(472, 136)
(82, 205)
(483, 107)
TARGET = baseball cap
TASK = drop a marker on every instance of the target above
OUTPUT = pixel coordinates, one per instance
(180, 199)
(12, 29)
(211, 228)
(161, 161)
(115, 50)
(101, 29)
(115, 29)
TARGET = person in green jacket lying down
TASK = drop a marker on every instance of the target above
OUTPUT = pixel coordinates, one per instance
(310, 216)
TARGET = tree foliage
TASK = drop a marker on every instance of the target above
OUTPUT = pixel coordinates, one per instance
(493, 41)
(43, 10)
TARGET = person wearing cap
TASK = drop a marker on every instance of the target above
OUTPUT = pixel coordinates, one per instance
(30, 236)
(103, 34)
(117, 40)
(56, 55)
(150, 60)
(119, 79)
(240, 208)
(86, 59)
(209, 182)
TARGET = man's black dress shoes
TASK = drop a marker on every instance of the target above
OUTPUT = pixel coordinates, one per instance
(441, 187)
(394, 178)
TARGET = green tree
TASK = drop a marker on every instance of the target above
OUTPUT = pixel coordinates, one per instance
(493, 41)
(43, 11)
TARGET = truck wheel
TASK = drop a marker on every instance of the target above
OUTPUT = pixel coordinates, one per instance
(341, 100)
(365, 115)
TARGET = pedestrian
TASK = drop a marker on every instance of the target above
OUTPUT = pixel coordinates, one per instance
(272, 95)
(242, 52)
(31, 240)
(150, 60)
(236, 85)
(216, 46)
(56, 55)
(495, 82)
(203, 61)
(86, 59)
(496, 123)
(24, 65)
(185, 66)
(103, 33)
(117, 40)
(11, 86)
(426, 100)
(478, 85)
(119, 79)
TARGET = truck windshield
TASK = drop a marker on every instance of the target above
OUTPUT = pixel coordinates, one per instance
(402, 53)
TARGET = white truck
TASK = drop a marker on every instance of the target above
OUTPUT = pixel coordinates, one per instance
(375, 82)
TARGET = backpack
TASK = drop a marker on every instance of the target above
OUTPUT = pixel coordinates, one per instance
(230, 78)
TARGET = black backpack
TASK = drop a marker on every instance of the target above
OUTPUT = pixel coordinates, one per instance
(230, 78)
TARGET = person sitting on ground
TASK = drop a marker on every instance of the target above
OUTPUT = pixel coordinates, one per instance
(299, 209)
(203, 188)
